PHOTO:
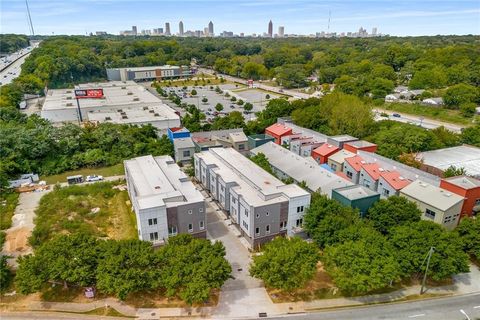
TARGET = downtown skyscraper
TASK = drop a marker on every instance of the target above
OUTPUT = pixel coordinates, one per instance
(270, 29)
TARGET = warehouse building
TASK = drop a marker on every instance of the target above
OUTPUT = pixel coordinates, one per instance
(117, 102)
(149, 73)
(164, 200)
(262, 206)
(437, 161)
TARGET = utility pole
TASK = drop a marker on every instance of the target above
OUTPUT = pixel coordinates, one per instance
(29, 18)
(429, 255)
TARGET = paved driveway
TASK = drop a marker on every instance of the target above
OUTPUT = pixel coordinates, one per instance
(242, 296)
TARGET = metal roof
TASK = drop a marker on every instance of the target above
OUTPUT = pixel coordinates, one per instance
(431, 195)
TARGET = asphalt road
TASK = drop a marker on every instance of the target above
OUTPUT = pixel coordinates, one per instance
(13, 70)
(447, 308)
(417, 120)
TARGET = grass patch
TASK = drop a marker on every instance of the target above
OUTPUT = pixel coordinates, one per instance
(158, 299)
(115, 170)
(320, 287)
(191, 82)
(436, 113)
(96, 209)
(8, 203)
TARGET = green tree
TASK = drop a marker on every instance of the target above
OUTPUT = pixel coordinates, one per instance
(359, 267)
(412, 241)
(453, 171)
(286, 264)
(394, 211)
(429, 78)
(219, 107)
(469, 232)
(459, 94)
(6, 275)
(193, 267)
(204, 100)
(471, 135)
(248, 107)
(193, 92)
(262, 161)
(127, 266)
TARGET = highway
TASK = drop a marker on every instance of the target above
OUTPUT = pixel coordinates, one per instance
(13, 70)
(448, 308)
(416, 120)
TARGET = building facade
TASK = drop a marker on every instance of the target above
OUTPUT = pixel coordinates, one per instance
(436, 204)
(466, 187)
(164, 200)
(357, 197)
(260, 205)
(158, 73)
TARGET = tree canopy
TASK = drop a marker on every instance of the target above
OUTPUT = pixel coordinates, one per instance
(285, 263)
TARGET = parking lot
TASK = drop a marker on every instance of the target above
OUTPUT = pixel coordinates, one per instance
(255, 96)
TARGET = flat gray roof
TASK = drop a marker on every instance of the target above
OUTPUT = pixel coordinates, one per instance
(361, 143)
(465, 156)
(464, 181)
(431, 195)
(181, 143)
(356, 192)
(301, 168)
(159, 181)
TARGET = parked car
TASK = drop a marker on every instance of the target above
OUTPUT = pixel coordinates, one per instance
(94, 178)
(75, 179)
(396, 115)
(232, 106)
(210, 109)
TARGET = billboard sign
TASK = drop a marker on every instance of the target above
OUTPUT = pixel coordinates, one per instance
(89, 93)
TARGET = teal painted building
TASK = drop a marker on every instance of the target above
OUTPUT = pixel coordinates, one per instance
(257, 140)
(357, 197)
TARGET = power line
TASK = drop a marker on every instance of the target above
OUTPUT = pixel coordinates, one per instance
(30, 18)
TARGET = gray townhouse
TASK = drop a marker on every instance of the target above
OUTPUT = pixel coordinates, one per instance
(260, 205)
(164, 200)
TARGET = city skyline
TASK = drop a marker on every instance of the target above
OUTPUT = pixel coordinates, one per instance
(245, 16)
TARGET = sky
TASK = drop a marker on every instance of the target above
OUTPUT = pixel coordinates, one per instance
(400, 17)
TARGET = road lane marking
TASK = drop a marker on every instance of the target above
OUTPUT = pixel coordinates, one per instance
(417, 315)
(476, 307)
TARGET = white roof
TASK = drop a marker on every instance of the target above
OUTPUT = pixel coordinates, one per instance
(465, 156)
(257, 186)
(302, 169)
(181, 143)
(464, 181)
(159, 181)
(431, 195)
(135, 115)
(116, 94)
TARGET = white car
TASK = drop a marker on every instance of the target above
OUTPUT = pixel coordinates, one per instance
(94, 178)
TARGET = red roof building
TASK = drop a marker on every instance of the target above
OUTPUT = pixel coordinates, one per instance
(391, 182)
(369, 175)
(352, 167)
(278, 131)
(322, 153)
(363, 145)
(467, 187)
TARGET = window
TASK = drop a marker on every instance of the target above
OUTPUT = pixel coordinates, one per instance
(257, 231)
(152, 221)
(429, 214)
(190, 211)
(172, 230)
(153, 236)
(366, 183)
(222, 188)
(267, 213)
(349, 174)
(245, 225)
(200, 209)
(386, 192)
(299, 222)
(241, 147)
(257, 216)
(477, 202)
(201, 224)
(190, 227)
(267, 229)
(334, 167)
(234, 201)
(300, 209)
(447, 219)
(283, 225)
(186, 153)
